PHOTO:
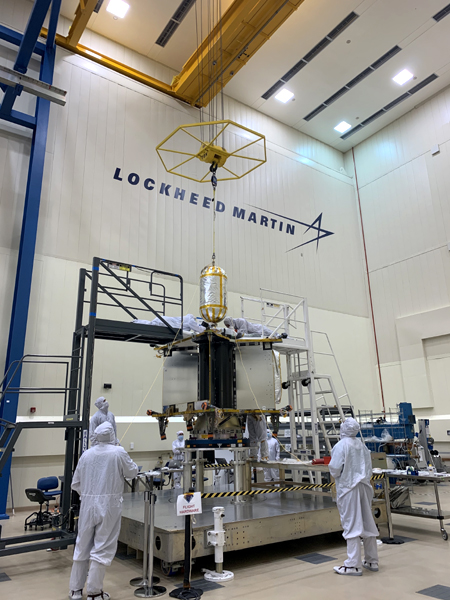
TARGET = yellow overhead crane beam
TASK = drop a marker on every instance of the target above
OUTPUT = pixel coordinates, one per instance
(243, 29)
(82, 15)
(113, 64)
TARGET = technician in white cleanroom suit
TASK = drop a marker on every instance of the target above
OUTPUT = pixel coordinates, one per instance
(244, 327)
(351, 466)
(99, 479)
(178, 455)
(257, 434)
(274, 454)
(190, 323)
(101, 416)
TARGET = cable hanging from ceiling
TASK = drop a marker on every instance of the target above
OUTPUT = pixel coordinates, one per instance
(213, 149)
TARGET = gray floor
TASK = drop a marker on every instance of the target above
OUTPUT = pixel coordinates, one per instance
(418, 568)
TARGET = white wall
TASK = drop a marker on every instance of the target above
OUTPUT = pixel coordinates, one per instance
(112, 123)
(405, 197)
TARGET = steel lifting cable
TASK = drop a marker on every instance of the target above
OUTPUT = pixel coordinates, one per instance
(221, 60)
(156, 377)
(210, 369)
(198, 56)
(213, 169)
(256, 401)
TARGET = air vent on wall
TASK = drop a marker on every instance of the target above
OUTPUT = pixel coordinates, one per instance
(295, 69)
(317, 49)
(311, 54)
(174, 22)
(385, 109)
(98, 6)
(351, 84)
(442, 13)
(273, 89)
(342, 25)
(359, 78)
(396, 101)
(372, 117)
(316, 111)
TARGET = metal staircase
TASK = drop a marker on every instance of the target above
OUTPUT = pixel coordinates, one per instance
(317, 405)
(69, 383)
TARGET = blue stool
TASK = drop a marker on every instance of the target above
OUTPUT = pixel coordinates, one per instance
(48, 486)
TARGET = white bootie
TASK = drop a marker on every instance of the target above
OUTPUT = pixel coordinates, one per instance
(76, 594)
(352, 571)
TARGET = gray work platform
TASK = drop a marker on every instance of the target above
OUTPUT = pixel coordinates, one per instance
(248, 522)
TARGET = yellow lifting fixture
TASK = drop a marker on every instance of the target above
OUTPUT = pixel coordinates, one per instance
(185, 144)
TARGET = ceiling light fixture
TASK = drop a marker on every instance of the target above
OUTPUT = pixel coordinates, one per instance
(403, 77)
(118, 8)
(343, 126)
(284, 96)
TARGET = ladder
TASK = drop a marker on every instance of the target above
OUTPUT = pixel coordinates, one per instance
(71, 384)
(317, 406)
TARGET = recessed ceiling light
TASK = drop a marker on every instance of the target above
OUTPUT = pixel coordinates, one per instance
(118, 8)
(284, 96)
(343, 127)
(403, 77)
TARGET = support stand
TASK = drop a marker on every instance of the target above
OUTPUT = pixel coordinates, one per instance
(199, 472)
(143, 581)
(187, 469)
(149, 590)
(216, 538)
(391, 539)
(186, 592)
(242, 474)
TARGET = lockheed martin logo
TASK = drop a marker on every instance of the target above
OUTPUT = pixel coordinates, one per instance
(281, 224)
(321, 233)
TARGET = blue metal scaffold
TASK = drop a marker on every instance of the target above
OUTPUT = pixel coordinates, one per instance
(13, 82)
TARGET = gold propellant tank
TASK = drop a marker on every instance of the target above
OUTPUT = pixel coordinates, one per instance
(213, 294)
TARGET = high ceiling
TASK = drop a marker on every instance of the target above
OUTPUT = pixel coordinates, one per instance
(418, 42)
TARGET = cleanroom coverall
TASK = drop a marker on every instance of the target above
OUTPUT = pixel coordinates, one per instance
(351, 466)
(274, 454)
(99, 479)
(178, 455)
(257, 433)
(101, 416)
(249, 329)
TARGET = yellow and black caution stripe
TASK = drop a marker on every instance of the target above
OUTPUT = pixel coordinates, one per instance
(275, 490)
(217, 466)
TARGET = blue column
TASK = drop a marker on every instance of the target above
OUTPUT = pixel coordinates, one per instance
(31, 34)
(24, 272)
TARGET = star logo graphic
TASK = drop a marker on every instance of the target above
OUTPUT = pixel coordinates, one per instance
(315, 226)
(321, 233)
